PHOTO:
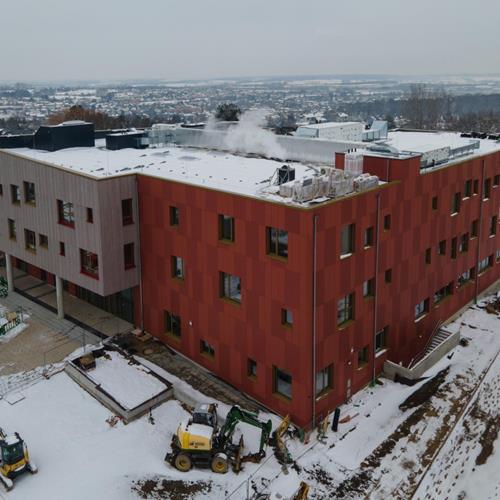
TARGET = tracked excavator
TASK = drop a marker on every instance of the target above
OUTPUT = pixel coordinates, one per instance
(200, 441)
(14, 458)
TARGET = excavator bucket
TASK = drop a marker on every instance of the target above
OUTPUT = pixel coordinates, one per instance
(303, 492)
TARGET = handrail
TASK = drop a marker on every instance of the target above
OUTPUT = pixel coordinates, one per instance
(421, 353)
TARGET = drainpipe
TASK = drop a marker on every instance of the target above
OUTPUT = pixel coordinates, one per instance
(375, 300)
(141, 295)
(314, 296)
(479, 233)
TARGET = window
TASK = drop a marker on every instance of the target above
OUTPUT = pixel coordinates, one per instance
(496, 180)
(484, 264)
(29, 193)
(422, 308)
(12, 229)
(30, 240)
(89, 263)
(475, 188)
(468, 188)
(324, 380)
(465, 277)
(442, 293)
(1, 189)
(388, 276)
(442, 247)
(230, 287)
(454, 248)
(286, 317)
(282, 383)
(369, 288)
(487, 189)
(207, 349)
(345, 309)
(62, 249)
(347, 240)
(428, 256)
(127, 212)
(174, 216)
(177, 267)
(368, 237)
(363, 357)
(65, 213)
(434, 203)
(43, 240)
(172, 324)
(455, 203)
(90, 215)
(464, 243)
(474, 231)
(387, 223)
(493, 226)
(381, 340)
(226, 228)
(277, 242)
(129, 255)
(251, 368)
(498, 255)
(15, 194)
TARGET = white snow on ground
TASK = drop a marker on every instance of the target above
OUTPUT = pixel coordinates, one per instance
(80, 456)
(129, 384)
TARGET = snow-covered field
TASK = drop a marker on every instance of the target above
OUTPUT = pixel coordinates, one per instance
(382, 452)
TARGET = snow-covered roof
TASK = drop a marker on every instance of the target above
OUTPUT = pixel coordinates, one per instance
(330, 125)
(422, 142)
(219, 170)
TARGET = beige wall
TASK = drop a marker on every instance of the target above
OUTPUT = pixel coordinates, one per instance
(105, 237)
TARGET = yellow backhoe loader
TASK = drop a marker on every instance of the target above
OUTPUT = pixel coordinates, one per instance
(14, 458)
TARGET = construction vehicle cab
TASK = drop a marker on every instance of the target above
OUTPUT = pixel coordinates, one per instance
(199, 441)
(14, 458)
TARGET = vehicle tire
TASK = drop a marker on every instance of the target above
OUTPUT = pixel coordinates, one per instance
(219, 463)
(183, 462)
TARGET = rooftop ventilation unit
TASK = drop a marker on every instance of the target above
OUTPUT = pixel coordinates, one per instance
(72, 134)
(285, 174)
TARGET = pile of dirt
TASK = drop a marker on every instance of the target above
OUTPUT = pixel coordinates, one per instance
(425, 392)
(493, 307)
(159, 488)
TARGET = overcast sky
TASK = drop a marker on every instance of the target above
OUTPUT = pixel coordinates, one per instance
(196, 39)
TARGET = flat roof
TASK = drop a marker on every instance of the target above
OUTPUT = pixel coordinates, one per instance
(219, 170)
(422, 142)
(329, 124)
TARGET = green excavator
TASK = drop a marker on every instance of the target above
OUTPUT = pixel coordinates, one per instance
(200, 441)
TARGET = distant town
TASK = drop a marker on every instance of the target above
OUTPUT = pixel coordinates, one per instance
(453, 102)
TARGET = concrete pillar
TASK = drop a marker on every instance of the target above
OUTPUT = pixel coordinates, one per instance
(10, 275)
(59, 297)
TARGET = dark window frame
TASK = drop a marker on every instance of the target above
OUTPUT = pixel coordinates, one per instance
(226, 286)
(172, 324)
(277, 242)
(276, 383)
(66, 213)
(226, 228)
(129, 255)
(127, 211)
(89, 263)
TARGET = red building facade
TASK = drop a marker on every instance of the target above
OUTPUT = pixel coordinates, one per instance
(362, 279)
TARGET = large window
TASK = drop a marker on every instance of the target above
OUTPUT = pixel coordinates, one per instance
(347, 239)
(89, 263)
(442, 293)
(127, 212)
(422, 308)
(29, 192)
(381, 340)
(12, 229)
(30, 240)
(15, 194)
(230, 287)
(226, 228)
(455, 203)
(493, 226)
(129, 255)
(345, 309)
(65, 212)
(207, 349)
(177, 267)
(324, 380)
(282, 383)
(277, 242)
(172, 323)
(363, 357)
(484, 264)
